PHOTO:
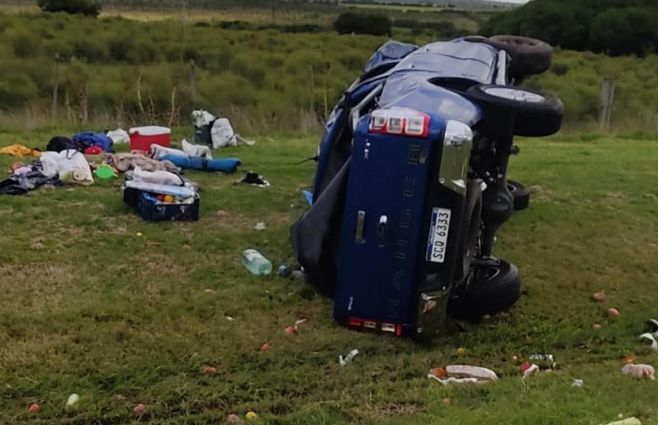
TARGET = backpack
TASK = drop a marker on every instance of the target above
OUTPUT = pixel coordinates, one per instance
(60, 143)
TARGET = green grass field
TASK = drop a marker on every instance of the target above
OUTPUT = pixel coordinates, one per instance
(89, 307)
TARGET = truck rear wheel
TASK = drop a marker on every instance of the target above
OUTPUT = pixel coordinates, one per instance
(535, 114)
(492, 289)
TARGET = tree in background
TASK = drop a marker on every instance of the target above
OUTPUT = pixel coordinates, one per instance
(362, 23)
(83, 7)
(615, 27)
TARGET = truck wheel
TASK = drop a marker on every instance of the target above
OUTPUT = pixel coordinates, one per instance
(536, 114)
(491, 291)
(520, 193)
(529, 55)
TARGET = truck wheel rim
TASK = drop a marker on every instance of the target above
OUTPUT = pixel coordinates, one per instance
(514, 94)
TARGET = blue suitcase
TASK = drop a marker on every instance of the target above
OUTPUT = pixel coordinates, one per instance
(400, 225)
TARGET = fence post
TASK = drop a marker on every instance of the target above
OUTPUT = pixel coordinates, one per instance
(607, 99)
(53, 110)
(84, 103)
(312, 102)
(193, 82)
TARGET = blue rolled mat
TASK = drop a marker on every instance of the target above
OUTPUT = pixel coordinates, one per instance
(227, 165)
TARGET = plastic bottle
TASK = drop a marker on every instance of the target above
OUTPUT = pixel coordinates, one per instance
(256, 262)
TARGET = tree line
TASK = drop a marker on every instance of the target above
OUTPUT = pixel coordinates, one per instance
(614, 27)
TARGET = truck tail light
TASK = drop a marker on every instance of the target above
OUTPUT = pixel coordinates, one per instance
(356, 323)
(399, 122)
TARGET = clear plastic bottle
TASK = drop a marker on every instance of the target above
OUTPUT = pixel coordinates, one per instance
(256, 262)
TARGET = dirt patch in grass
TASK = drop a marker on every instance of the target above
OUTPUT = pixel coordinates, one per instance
(18, 278)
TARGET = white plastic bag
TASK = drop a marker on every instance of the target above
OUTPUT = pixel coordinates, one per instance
(157, 177)
(222, 134)
(158, 151)
(196, 150)
(202, 118)
(70, 165)
(119, 136)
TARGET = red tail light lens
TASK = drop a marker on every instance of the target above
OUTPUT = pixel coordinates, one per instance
(355, 322)
(399, 122)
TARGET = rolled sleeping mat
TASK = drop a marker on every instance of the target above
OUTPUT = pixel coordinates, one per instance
(226, 165)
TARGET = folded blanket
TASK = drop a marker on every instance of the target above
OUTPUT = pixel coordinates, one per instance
(128, 161)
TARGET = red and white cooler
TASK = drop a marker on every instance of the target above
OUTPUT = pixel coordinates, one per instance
(141, 138)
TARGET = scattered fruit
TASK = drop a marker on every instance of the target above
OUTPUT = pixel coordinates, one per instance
(446, 402)
(613, 312)
(34, 408)
(629, 359)
(234, 419)
(140, 409)
(290, 330)
(599, 297)
(596, 326)
(250, 416)
(210, 370)
(139, 234)
(461, 350)
(439, 372)
(266, 346)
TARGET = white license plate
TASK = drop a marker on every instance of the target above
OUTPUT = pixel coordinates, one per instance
(437, 242)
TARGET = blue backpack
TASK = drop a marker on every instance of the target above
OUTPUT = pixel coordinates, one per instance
(87, 139)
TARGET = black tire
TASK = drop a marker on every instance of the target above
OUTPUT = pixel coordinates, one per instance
(535, 114)
(529, 55)
(520, 193)
(491, 291)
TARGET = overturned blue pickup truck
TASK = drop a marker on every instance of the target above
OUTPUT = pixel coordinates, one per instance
(411, 183)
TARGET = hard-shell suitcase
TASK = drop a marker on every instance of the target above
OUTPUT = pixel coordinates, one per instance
(400, 229)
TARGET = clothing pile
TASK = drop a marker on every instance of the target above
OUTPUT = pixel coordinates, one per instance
(55, 168)
(153, 182)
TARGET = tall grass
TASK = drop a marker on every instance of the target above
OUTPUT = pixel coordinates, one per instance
(116, 71)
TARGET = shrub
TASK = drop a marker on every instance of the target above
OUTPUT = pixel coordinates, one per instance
(361, 23)
(89, 49)
(74, 7)
(24, 44)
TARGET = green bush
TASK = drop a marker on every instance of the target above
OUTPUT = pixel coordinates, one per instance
(84, 7)
(90, 50)
(363, 23)
(262, 78)
(23, 43)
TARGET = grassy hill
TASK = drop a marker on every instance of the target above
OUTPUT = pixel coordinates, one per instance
(263, 76)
